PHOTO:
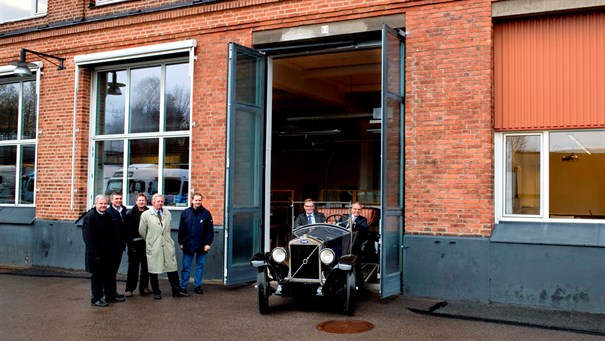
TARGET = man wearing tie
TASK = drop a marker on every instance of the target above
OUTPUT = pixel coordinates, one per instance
(310, 216)
(154, 228)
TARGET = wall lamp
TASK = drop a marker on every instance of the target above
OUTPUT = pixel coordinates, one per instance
(23, 67)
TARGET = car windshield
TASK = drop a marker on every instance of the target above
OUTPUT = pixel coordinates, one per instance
(323, 232)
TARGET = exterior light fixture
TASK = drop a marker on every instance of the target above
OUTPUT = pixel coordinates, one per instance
(113, 88)
(23, 67)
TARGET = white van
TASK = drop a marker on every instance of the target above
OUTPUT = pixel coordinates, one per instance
(143, 178)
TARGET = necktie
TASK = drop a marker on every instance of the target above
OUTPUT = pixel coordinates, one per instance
(159, 217)
(310, 219)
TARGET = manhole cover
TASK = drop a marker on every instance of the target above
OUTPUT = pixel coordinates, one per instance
(345, 326)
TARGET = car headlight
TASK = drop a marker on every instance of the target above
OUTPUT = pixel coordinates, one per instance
(327, 256)
(278, 254)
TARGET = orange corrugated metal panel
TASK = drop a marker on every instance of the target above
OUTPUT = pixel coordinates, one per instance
(550, 73)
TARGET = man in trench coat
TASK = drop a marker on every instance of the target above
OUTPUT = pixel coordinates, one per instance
(161, 255)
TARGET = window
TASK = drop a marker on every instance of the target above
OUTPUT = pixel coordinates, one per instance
(554, 175)
(18, 124)
(11, 10)
(142, 125)
(107, 2)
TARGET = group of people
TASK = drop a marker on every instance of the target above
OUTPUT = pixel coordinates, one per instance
(109, 228)
(359, 222)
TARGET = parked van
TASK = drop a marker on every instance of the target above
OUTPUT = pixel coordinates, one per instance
(143, 178)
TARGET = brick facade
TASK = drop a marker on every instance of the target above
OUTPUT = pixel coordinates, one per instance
(449, 143)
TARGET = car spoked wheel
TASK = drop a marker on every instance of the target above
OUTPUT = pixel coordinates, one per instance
(350, 292)
(262, 285)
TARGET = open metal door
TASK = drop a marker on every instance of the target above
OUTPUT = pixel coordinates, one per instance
(392, 150)
(244, 162)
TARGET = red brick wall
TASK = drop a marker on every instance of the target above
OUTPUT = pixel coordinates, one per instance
(449, 137)
(449, 108)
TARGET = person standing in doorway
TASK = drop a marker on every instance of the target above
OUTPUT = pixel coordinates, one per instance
(98, 238)
(154, 228)
(117, 212)
(137, 259)
(310, 216)
(196, 233)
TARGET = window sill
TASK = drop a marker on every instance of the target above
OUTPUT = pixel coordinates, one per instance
(548, 233)
(17, 215)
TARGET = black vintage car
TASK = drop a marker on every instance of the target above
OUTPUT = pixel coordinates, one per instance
(317, 262)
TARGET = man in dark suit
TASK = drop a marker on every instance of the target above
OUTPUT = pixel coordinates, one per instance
(310, 216)
(98, 238)
(360, 225)
(117, 212)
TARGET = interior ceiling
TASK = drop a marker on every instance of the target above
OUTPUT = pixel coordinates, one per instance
(316, 92)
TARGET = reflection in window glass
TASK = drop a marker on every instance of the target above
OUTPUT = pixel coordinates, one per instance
(28, 159)
(176, 171)
(28, 123)
(8, 173)
(177, 97)
(109, 158)
(577, 174)
(522, 191)
(9, 108)
(142, 169)
(145, 94)
(111, 102)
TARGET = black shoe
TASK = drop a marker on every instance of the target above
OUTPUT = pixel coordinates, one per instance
(157, 296)
(198, 290)
(118, 295)
(115, 299)
(99, 303)
(180, 293)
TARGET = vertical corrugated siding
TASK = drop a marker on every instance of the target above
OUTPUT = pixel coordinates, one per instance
(550, 73)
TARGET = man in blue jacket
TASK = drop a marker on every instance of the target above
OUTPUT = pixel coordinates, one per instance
(196, 233)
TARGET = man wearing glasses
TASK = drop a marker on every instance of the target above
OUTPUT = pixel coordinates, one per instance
(310, 216)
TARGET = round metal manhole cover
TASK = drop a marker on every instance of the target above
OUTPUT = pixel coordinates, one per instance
(345, 326)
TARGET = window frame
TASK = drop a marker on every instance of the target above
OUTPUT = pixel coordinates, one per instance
(162, 134)
(6, 77)
(34, 13)
(500, 180)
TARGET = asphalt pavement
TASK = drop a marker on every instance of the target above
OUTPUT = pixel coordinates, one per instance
(52, 304)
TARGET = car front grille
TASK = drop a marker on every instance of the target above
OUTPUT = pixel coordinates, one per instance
(304, 261)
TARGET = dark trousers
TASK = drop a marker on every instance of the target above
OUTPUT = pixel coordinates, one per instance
(137, 260)
(173, 278)
(100, 282)
(114, 265)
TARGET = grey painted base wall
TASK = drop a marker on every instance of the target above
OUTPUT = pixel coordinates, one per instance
(59, 244)
(501, 269)
(549, 276)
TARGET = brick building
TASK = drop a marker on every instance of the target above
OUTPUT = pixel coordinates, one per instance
(473, 129)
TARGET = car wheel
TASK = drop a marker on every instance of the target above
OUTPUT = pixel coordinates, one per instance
(351, 294)
(262, 285)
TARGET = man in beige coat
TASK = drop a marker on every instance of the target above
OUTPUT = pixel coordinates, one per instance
(161, 256)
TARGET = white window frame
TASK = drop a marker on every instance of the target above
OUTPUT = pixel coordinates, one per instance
(499, 181)
(121, 57)
(34, 12)
(108, 2)
(7, 71)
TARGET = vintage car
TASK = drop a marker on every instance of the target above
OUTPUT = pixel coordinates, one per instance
(317, 262)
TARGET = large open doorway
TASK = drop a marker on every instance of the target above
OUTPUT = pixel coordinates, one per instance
(334, 120)
(326, 137)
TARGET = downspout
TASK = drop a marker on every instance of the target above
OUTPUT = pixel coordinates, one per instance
(73, 140)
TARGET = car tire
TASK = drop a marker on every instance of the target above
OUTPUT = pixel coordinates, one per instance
(262, 285)
(350, 299)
